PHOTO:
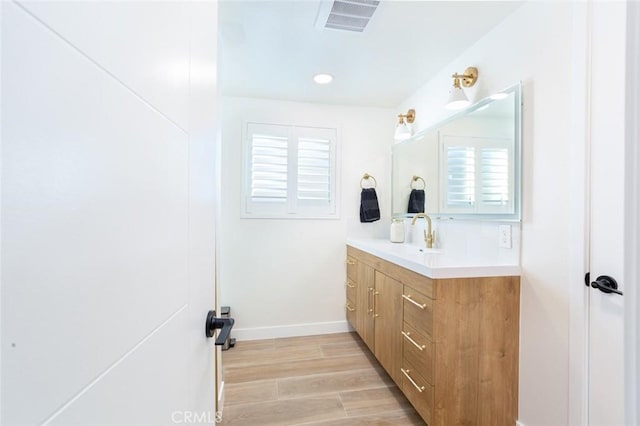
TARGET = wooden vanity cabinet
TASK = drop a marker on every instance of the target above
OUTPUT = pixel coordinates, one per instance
(366, 294)
(418, 349)
(451, 345)
(388, 320)
(372, 310)
(360, 299)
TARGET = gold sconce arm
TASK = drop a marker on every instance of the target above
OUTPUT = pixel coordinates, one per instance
(410, 116)
(468, 78)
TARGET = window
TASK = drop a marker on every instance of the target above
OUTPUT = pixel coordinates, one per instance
(289, 171)
(477, 174)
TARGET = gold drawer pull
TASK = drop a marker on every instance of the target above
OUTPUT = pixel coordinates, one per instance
(351, 262)
(349, 308)
(350, 284)
(415, 385)
(408, 297)
(406, 335)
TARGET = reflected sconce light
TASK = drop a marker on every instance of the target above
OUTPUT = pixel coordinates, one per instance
(457, 98)
(403, 131)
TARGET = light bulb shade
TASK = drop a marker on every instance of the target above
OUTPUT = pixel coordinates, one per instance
(403, 131)
(323, 78)
(457, 99)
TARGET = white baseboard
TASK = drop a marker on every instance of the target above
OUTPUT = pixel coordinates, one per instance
(519, 423)
(260, 333)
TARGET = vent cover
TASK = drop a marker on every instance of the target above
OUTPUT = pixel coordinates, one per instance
(348, 15)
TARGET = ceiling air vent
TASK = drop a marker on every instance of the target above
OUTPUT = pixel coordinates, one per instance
(348, 15)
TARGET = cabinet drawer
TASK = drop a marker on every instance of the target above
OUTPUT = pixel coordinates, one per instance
(350, 307)
(418, 392)
(418, 311)
(417, 350)
(351, 290)
(352, 268)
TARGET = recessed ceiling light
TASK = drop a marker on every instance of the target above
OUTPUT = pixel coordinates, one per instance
(323, 78)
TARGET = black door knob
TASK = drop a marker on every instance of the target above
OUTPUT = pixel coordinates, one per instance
(224, 324)
(606, 284)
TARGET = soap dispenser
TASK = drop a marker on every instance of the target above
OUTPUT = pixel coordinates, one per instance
(396, 234)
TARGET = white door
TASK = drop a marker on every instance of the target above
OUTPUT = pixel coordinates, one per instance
(608, 229)
(108, 203)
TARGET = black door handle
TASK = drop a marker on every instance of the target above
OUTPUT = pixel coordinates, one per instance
(224, 324)
(606, 284)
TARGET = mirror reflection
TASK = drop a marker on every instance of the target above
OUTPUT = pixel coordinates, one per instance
(467, 166)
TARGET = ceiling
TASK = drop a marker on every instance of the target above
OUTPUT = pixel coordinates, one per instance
(272, 49)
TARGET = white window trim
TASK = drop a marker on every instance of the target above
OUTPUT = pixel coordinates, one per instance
(301, 212)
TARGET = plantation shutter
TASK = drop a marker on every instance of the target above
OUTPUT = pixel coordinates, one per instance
(269, 168)
(461, 176)
(314, 170)
(290, 171)
(494, 176)
(477, 174)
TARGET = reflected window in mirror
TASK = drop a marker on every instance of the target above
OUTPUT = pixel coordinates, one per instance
(477, 175)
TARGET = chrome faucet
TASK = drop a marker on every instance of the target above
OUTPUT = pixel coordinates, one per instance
(429, 235)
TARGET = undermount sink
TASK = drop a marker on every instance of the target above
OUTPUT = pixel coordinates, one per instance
(429, 250)
(410, 250)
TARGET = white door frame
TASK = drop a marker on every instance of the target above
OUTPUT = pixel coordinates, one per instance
(1, 202)
(632, 210)
(579, 199)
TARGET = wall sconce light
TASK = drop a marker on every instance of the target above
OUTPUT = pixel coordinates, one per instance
(403, 131)
(457, 97)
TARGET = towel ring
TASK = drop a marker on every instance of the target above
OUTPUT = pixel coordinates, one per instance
(415, 179)
(367, 176)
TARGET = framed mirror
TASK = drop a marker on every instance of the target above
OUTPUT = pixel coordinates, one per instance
(467, 166)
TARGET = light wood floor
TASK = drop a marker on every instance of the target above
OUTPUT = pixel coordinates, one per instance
(331, 379)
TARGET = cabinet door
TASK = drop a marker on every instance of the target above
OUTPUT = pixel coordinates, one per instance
(366, 288)
(388, 324)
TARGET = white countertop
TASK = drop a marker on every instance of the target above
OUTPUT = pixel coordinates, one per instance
(434, 263)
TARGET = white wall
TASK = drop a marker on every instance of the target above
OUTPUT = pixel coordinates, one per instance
(532, 45)
(286, 277)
